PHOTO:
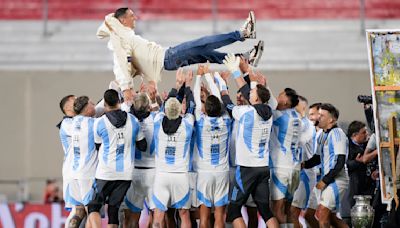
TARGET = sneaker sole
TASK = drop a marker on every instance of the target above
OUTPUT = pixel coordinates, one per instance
(259, 52)
(253, 24)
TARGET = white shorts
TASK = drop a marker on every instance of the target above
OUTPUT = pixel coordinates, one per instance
(212, 188)
(193, 188)
(302, 194)
(333, 194)
(79, 192)
(284, 183)
(232, 172)
(68, 206)
(314, 198)
(141, 190)
(171, 190)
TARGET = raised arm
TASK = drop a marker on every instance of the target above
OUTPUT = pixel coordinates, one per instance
(224, 94)
(232, 63)
(196, 94)
(211, 84)
(190, 104)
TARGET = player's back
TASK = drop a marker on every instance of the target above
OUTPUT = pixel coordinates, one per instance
(212, 143)
(253, 135)
(66, 129)
(146, 158)
(84, 150)
(172, 148)
(117, 150)
(285, 139)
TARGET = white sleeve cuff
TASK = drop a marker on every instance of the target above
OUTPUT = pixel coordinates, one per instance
(253, 84)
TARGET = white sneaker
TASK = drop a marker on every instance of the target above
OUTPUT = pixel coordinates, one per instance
(256, 53)
(249, 27)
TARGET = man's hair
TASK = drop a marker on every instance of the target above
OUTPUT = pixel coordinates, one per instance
(111, 97)
(355, 127)
(315, 105)
(80, 103)
(293, 97)
(120, 12)
(263, 93)
(172, 108)
(141, 102)
(64, 101)
(213, 106)
(301, 98)
(334, 112)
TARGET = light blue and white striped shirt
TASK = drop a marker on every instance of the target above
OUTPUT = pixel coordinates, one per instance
(65, 132)
(83, 149)
(329, 145)
(173, 150)
(212, 143)
(147, 158)
(252, 137)
(285, 139)
(117, 150)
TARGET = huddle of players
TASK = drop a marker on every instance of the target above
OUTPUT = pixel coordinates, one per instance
(142, 156)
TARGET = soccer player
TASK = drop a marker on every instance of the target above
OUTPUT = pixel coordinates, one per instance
(141, 189)
(135, 55)
(213, 129)
(309, 215)
(331, 153)
(302, 194)
(84, 154)
(172, 137)
(284, 154)
(254, 128)
(65, 132)
(118, 133)
(251, 207)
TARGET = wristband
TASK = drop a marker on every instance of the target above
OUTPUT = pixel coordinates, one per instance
(236, 74)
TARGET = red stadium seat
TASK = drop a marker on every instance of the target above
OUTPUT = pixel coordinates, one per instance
(202, 9)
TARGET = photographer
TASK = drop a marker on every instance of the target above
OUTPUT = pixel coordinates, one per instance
(370, 158)
(360, 182)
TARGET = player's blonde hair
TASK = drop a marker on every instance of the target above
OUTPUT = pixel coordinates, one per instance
(141, 102)
(172, 108)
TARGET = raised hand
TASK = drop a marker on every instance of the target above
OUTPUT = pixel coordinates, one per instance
(143, 87)
(128, 96)
(261, 78)
(252, 76)
(225, 75)
(180, 78)
(203, 68)
(244, 65)
(189, 78)
(200, 69)
(152, 90)
(232, 63)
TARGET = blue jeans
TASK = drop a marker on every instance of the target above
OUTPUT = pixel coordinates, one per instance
(199, 51)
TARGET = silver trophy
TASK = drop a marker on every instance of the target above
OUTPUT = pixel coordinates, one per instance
(362, 213)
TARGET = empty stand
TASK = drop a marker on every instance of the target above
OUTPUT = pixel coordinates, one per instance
(201, 9)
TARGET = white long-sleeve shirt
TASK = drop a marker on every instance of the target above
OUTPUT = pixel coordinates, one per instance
(147, 57)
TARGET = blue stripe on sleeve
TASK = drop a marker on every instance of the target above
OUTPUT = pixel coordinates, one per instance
(248, 125)
(91, 145)
(103, 133)
(189, 131)
(199, 131)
